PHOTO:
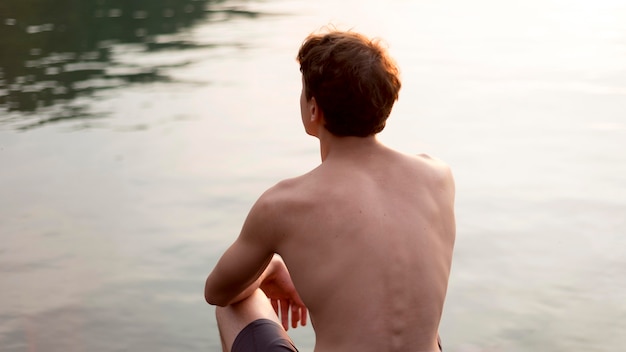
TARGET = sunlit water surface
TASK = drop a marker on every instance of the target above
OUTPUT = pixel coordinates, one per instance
(135, 137)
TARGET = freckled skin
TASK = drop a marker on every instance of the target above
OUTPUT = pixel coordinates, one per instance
(366, 239)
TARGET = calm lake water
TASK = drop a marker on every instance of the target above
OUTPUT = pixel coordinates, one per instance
(135, 136)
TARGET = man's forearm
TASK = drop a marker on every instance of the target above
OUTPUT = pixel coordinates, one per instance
(254, 285)
(249, 290)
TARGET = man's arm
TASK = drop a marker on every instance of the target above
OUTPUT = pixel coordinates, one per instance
(239, 271)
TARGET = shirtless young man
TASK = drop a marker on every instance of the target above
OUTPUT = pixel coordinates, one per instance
(363, 242)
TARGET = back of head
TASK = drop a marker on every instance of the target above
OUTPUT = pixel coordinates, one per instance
(353, 80)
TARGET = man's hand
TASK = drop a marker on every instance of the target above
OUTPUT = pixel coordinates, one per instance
(283, 295)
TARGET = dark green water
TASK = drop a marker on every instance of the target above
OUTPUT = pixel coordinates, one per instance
(54, 52)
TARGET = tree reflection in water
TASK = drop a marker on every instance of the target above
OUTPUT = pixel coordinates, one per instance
(52, 52)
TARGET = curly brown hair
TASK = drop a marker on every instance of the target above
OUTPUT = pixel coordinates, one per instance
(353, 79)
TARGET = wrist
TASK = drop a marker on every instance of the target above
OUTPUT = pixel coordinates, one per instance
(273, 267)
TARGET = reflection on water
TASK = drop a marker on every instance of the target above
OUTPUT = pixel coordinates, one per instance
(52, 52)
(83, 266)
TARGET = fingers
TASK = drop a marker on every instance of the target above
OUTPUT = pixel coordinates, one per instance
(295, 315)
(302, 312)
(303, 316)
(284, 313)
(298, 315)
(284, 307)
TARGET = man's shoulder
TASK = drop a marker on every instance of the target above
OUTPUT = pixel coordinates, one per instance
(439, 174)
(433, 163)
(429, 159)
(432, 172)
(287, 192)
(273, 209)
(281, 205)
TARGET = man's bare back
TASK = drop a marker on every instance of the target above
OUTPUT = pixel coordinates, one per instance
(368, 244)
(363, 243)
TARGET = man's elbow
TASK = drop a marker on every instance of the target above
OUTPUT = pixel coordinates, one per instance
(212, 298)
(209, 299)
(215, 302)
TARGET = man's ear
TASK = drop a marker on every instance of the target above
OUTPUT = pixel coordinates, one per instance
(314, 120)
(315, 113)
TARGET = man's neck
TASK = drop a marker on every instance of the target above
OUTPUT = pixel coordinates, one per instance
(332, 146)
